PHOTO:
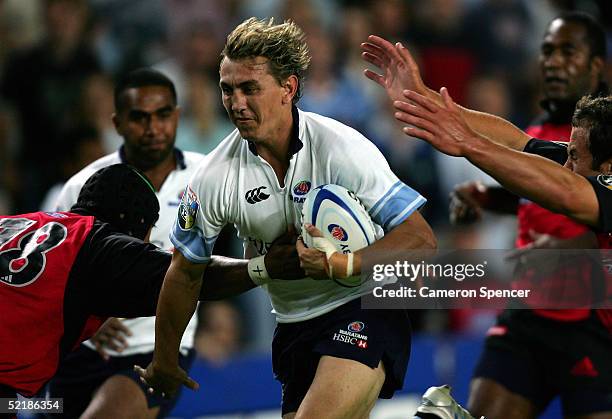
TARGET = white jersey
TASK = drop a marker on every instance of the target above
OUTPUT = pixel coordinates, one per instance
(234, 185)
(143, 328)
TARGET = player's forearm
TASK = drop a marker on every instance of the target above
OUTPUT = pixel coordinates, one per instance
(225, 277)
(413, 238)
(177, 303)
(537, 179)
(493, 127)
(496, 129)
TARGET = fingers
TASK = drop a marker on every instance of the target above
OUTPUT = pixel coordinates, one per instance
(418, 126)
(387, 47)
(313, 231)
(421, 100)
(374, 59)
(418, 133)
(300, 246)
(191, 384)
(407, 57)
(100, 349)
(415, 110)
(447, 100)
(120, 327)
(377, 78)
(141, 372)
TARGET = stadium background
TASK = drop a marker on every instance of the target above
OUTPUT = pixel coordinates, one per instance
(485, 51)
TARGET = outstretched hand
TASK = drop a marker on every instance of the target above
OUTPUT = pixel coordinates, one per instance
(165, 382)
(398, 69)
(442, 126)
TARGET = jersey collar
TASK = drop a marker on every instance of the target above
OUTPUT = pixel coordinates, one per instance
(296, 144)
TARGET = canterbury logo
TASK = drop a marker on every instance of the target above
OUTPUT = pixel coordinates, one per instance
(256, 195)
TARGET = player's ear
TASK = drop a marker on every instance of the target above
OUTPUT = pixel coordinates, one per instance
(597, 66)
(115, 119)
(606, 167)
(290, 87)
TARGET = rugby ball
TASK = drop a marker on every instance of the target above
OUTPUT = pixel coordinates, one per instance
(342, 219)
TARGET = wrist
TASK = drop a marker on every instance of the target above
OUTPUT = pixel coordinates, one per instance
(344, 265)
(257, 270)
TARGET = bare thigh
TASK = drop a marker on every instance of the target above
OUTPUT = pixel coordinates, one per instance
(119, 397)
(341, 388)
(494, 401)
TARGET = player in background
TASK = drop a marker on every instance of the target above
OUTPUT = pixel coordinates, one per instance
(580, 372)
(276, 154)
(572, 57)
(98, 380)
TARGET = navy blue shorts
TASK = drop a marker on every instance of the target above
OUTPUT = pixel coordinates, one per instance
(84, 370)
(366, 336)
(540, 358)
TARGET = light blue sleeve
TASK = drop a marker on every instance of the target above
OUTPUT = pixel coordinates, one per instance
(197, 224)
(397, 204)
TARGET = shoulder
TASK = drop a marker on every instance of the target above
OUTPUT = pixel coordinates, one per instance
(218, 167)
(70, 191)
(328, 134)
(191, 158)
(81, 177)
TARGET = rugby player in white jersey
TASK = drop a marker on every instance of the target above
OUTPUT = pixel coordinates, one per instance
(104, 384)
(256, 179)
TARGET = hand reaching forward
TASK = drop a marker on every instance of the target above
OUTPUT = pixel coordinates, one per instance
(398, 69)
(442, 126)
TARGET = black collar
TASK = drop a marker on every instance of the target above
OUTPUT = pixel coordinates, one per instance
(295, 144)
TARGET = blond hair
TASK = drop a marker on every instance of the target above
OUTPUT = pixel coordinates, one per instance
(284, 45)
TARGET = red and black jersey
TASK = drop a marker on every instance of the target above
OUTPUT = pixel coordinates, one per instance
(61, 276)
(602, 185)
(37, 254)
(532, 217)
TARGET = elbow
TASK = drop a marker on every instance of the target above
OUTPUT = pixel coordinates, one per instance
(429, 241)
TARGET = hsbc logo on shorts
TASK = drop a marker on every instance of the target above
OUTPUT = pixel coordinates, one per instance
(351, 336)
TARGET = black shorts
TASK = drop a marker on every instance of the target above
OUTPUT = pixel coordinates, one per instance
(540, 358)
(84, 370)
(366, 336)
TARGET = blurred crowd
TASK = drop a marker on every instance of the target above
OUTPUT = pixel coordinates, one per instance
(59, 59)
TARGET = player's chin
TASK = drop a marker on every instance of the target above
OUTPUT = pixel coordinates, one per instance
(156, 155)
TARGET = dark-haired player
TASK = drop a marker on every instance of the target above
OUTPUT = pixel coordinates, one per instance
(276, 154)
(572, 58)
(576, 358)
(104, 384)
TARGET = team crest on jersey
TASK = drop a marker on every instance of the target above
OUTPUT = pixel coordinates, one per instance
(338, 232)
(299, 190)
(188, 209)
(605, 180)
(356, 326)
